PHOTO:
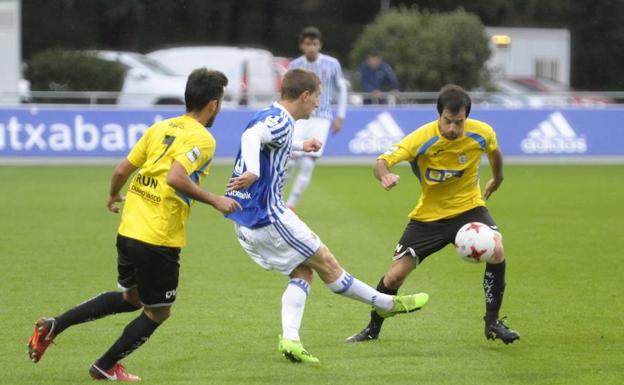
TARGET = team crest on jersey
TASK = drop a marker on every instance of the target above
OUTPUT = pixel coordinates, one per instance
(194, 154)
(462, 158)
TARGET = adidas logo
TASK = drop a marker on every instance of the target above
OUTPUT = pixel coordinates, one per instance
(554, 136)
(377, 136)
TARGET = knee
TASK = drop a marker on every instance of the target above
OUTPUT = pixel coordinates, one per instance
(307, 165)
(394, 278)
(499, 252)
(329, 269)
(132, 297)
(158, 314)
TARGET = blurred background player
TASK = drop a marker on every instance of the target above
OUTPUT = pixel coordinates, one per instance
(272, 234)
(172, 158)
(445, 155)
(317, 126)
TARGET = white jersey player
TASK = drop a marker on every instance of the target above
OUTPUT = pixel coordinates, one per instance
(317, 126)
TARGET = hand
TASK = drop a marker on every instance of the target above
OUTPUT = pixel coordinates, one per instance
(312, 145)
(112, 199)
(226, 205)
(242, 181)
(491, 186)
(390, 180)
(337, 125)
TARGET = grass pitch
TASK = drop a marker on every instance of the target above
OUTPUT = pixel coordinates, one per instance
(562, 229)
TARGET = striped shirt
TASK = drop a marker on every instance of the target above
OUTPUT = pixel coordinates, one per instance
(328, 70)
(262, 201)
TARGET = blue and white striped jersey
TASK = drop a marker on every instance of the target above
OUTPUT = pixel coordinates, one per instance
(328, 70)
(262, 202)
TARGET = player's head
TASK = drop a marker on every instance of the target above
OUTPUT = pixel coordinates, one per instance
(303, 88)
(204, 93)
(310, 42)
(453, 110)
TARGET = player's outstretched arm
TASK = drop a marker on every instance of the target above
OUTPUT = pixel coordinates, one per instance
(119, 178)
(384, 175)
(496, 163)
(181, 182)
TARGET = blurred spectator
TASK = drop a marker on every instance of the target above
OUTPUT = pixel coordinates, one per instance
(376, 78)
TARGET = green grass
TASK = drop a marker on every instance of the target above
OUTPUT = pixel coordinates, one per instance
(563, 239)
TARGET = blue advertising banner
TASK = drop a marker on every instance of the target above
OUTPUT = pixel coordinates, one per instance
(72, 132)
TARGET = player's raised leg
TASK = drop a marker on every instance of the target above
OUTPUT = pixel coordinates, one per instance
(341, 282)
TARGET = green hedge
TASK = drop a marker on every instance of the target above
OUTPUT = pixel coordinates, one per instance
(428, 50)
(57, 70)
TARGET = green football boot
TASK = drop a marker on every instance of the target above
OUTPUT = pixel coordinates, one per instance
(294, 351)
(404, 304)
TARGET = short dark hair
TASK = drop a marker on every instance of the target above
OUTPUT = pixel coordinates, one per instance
(296, 81)
(202, 86)
(311, 32)
(452, 97)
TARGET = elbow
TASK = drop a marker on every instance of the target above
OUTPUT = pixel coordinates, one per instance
(173, 181)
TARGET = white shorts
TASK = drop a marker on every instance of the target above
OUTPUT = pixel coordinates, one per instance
(282, 245)
(311, 128)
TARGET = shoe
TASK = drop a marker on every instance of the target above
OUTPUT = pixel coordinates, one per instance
(497, 329)
(41, 338)
(294, 351)
(367, 334)
(116, 373)
(404, 304)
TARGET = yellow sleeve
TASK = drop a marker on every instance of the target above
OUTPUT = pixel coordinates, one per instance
(195, 154)
(491, 142)
(138, 154)
(404, 150)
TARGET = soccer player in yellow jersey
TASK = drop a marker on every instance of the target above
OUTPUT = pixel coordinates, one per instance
(445, 156)
(171, 157)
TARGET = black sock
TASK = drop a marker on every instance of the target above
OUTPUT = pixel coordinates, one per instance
(135, 334)
(376, 321)
(494, 288)
(97, 307)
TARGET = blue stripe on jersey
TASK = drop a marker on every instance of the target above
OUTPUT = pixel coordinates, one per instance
(478, 138)
(263, 199)
(291, 240)
(422, 150)
(328, 70)
(195, 177)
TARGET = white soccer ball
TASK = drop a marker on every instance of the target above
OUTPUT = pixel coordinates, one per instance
(474, 242)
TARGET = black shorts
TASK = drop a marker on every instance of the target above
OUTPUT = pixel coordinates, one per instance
(421, 239)
(152, 269)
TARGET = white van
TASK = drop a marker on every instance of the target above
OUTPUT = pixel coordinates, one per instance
(147, 82)
(250, 71)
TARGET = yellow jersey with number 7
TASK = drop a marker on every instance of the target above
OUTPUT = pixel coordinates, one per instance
(448, 170)
(153, 211)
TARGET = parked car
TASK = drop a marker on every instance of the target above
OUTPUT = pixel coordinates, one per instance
(251, 71)
(147, 82)
(574, 97)
(516, 94)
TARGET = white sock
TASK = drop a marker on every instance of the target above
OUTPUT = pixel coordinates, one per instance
(351, 287)
(301, 181)
(293, 305)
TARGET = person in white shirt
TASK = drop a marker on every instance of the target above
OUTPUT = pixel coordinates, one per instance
(317, 126)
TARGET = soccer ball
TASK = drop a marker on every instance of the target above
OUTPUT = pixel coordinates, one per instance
(474, 242)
